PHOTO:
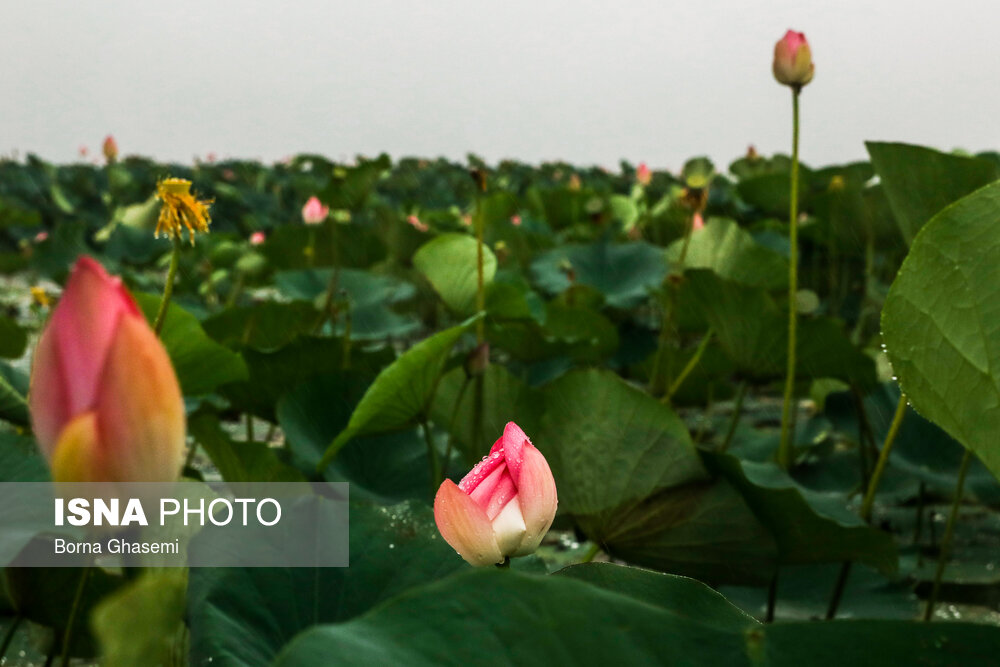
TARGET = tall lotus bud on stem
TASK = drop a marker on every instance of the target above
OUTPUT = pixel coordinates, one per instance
(313, 213)
(793, 65)
(503, 507)
(643, 175)
(105, 403)
(110, 149)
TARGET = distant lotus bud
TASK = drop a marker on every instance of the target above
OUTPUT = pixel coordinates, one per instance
(478, 360)
(414, 221)
(83, 151)
(515, 220)
(793, 65)
(40, 237)
(697, 222)
(503, 507)
(313, 213)
(466, 220)
(752, 154)
(257, 238)
(211, 157)
(105, 402)
(643, 175)
(110, 149)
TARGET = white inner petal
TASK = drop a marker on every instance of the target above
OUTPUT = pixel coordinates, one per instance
(509, 528)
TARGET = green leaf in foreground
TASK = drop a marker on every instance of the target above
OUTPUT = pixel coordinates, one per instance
(13, 387)
(402, 391)
(244, 616)
(141, 624)
(941, 323)
(449, 263)
(518, 619)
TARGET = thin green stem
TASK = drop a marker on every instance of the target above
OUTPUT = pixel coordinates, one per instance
(74, 611)
(772, 598)
(480, 282)
(666, 325)
(168, 287)
(788, 408)
(949, 533)
(451, 428)
(869, 500)
(432, 456)
(594, 549)
(689, 367)
(737, 412)
(9, 636)
(329, 312)
(189, 459)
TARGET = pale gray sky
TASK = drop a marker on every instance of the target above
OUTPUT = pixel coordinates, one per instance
(586, 81)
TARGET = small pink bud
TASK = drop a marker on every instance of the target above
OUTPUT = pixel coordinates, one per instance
(503, 507)
(515, 220)
(229, 174)
(697, 222)
(105, 402)
(110, 149)
(643, 174)
(313, 213)
(210, 158)
(41, 236)
(257, 238)
(83, 151)
(414, 222)
(466, 220)
(793, 65)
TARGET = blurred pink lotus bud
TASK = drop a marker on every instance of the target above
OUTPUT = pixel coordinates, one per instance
(414, 222)
(314, 212)
(257, 238)
(467, 220)
(41, 236)
(105, 402)
(515, 220)
(110, 149)
(793, 65)
(211, 157)
(697, 222)
(503, 507)
(83, 151)
(643, 175)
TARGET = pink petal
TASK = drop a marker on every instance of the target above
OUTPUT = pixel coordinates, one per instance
(536, 492)
(464, 525)
(47, 396)
(482, 470)
(512, 444)
(81, 329)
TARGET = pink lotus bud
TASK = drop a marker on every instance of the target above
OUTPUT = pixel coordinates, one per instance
(466, 220)
(503, 507)
(515, 220)
(697, 222)
(110, 149)
(211, 157)
(414, 222)
(83, 151)
(793, 65)
(643, 174)
(41, 236)
(314, 212)
(257, 238)
(105, 403)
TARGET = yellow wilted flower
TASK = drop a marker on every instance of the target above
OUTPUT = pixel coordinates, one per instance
(39, 296)
(181, 208)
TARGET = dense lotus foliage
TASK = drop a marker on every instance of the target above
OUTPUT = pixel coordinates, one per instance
(343, 322)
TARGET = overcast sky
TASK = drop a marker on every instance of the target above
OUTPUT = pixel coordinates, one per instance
(589, 82)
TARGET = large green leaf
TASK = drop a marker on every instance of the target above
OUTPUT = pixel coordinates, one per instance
(624, 273)
(201, 364)
(449, 262)
(809, 527)
(239, 461)
(244, 616)
(919, 181)
(733, 254)
(941, 322)
(266, 326)
(402, 391)
(610, 444)
(13, 338)
(517, 619)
